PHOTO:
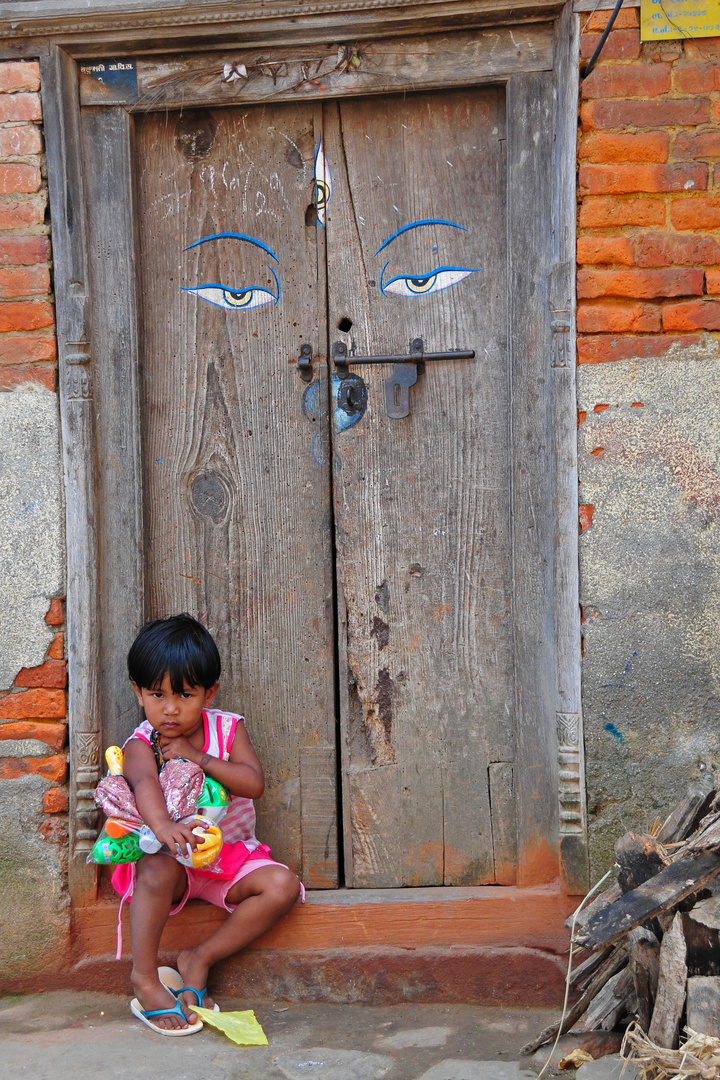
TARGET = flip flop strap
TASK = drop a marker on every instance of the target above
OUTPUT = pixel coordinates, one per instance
(165, 1012)
(199, 994)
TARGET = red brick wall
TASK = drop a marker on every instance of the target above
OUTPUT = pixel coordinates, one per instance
(36, 706)
(27, 337)
(649, 200)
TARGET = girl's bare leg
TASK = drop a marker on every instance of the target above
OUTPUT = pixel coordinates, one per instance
(161, 882)
(263, 897)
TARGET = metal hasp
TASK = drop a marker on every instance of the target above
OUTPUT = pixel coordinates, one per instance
(404, 373)
(305, 363)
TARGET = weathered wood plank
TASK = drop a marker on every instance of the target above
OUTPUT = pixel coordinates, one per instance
(583, 973)
(645, 968)
(703, 1004)
(617, 960)
(605, 1006)
(504, 822)
(683, 819)
(236, 462)
(142, 25)
(670, 1000)
(572, 823)
(531, 167)
(77, 411)
(660, 893)
(703, 945)
(245, 76)
(422, 503)
(107, 154)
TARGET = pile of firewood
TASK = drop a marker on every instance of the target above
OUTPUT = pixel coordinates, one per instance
(650, 958)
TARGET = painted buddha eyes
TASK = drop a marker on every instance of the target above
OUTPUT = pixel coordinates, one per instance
(234, 299)
(426, 284)
(406, 285)
(443, 278)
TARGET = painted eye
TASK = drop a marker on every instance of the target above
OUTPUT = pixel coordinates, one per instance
(323, 183)
(443, 278)
(236, 299)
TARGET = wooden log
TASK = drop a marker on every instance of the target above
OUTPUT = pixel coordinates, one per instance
(617, 960)
(584, 972)
(670, 1001)
(615, 1000)
(602, 1005)
(707, 912)
(600, 903)
(645, 969)
(639, 858)
(703, 1004)
(703, 945)
(659, 894)
(682, 821)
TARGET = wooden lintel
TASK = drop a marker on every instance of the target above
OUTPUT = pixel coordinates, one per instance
(245, 76)
(138, 26)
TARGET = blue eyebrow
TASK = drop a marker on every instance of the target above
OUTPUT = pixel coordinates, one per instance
(235, 236)
(416, 225)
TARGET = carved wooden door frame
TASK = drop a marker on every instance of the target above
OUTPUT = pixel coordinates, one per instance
(63, 33)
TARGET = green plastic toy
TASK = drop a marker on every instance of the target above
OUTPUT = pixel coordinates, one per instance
(213, 801)
(109, 851)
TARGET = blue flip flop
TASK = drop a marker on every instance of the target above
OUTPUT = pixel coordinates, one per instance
(199, 994)
(172, 981)
(146, 1016)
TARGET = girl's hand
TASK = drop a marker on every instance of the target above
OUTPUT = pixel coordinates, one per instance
(179, 747)
(177, 837)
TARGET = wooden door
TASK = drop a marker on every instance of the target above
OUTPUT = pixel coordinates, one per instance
(417, 249)
(365, 575)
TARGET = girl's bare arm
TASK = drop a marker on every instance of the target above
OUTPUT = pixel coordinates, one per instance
(140, 771)
(241, 775)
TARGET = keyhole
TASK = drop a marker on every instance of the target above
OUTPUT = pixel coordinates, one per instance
(345, 325)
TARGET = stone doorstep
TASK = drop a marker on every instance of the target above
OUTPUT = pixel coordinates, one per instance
(496, 945)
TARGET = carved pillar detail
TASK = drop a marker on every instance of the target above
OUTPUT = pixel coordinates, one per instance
(562, 340)
(570, 780)
(87, 774)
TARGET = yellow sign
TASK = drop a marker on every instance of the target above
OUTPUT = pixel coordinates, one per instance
(661, 20)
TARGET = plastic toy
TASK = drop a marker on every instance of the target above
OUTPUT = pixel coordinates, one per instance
(110, 850)
(122, 841)
(213, 801)
(114, 759)
(125, 838)
(209, 847)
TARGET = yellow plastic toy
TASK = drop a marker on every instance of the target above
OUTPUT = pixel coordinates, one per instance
(210, 842)
(114, 759)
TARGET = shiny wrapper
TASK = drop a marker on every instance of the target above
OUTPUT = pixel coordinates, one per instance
(181, 782)
(116, 800)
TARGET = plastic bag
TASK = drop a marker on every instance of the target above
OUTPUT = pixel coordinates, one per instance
(241, 1027)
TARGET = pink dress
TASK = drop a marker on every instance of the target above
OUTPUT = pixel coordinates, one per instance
(238, 829)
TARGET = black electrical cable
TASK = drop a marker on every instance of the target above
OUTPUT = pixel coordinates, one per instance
(611, 21)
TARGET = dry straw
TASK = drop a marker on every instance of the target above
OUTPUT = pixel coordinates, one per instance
(698, 1057)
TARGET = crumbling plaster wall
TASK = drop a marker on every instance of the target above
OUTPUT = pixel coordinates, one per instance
(34, 910)
(650, 585)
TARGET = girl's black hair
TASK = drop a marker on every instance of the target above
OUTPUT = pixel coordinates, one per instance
(179, 646)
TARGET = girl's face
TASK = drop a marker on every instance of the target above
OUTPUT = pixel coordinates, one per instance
(175, 715)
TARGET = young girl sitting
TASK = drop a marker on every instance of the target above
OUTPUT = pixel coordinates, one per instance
(174, 666)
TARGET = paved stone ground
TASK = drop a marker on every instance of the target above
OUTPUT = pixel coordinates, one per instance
(71, 1036)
